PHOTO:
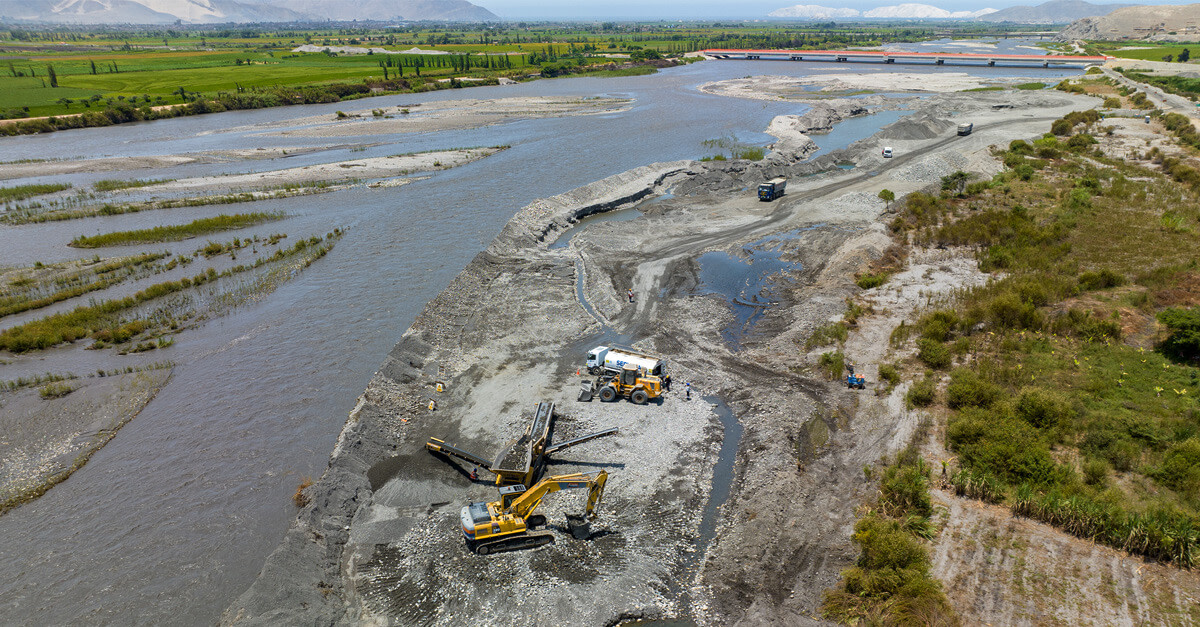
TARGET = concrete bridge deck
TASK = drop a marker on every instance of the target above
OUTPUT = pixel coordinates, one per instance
(934, 58)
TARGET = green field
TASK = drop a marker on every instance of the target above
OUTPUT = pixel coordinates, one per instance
(1155, 53)
(152, 67)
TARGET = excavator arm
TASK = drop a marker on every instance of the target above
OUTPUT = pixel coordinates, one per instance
(528, 501)
(595, 493)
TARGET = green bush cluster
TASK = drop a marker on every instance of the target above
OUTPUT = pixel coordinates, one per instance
(826, 334)
(922, 393)
(890, 582)
(1183, 339)
(832, 364)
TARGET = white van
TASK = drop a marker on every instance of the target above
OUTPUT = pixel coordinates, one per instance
(887, 152)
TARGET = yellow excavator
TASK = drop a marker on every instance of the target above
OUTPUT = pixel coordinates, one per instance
(507, 524)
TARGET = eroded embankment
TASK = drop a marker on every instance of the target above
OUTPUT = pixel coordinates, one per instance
(380, 539)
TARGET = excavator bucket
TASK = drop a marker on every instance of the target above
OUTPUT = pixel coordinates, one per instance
(586, 391)
(580, 526)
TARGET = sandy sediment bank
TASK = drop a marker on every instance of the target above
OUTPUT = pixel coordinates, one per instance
(409, 115)
(47, 436)
(117, 164)
(380, 540)
(792, 131)
(354, 169)
(803, 87)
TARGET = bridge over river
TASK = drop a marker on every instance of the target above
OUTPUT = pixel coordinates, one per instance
(931, 58)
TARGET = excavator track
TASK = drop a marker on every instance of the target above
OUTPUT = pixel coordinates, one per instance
(527, 541)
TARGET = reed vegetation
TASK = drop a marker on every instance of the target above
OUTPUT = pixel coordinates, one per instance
(21, 192)
(195, 228)
(107, 322)
(112, 185)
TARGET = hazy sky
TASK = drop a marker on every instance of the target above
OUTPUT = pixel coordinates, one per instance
(711, 9)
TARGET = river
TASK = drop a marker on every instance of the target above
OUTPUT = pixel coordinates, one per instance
(173, 519)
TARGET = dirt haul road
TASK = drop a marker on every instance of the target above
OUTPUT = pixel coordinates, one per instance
(380, 541)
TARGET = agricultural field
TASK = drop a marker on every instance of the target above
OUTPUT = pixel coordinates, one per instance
(72, 71)
(1150, 53)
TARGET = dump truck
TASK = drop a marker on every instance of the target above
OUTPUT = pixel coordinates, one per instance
(611, 360)
(509, 523)
(965, 128)
(772, 189)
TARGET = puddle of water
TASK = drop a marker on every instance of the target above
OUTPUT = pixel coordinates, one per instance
(845, 166)
(746, 281)
(623, 215)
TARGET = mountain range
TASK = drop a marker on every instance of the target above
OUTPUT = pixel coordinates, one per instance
(907, 11)
(243, 11)
(1053, 12)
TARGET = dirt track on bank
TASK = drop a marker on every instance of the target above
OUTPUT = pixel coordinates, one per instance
(380, 540)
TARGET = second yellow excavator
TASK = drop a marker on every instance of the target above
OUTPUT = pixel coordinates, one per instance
(507, 524)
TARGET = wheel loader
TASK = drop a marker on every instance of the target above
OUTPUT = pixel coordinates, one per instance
(508, 524)
(630, 384)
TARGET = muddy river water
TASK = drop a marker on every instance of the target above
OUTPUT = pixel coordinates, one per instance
(174, 518)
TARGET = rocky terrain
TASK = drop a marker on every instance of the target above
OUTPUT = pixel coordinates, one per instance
(1154, 23)
(736, 505)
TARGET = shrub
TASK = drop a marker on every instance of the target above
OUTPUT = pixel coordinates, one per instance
(1006, 311)
(827, 334)
(1100, 280)
(967, 389)
(1080, 141)
(56, 389)
(933, 353)
(1180, 468)
(1095, 471)
(888, 372)
(869, 280)
(1042, 409)
(904, 490)
(1009, 447)
(938, 325)
(301, 498)
(1183, 342)
(832, 364)
(922, 393)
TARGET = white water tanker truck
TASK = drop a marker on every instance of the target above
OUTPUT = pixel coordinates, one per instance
(611, 360)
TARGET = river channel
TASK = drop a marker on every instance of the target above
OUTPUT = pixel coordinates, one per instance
(173, 519)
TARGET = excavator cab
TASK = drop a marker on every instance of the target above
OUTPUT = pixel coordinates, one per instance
(510, 493)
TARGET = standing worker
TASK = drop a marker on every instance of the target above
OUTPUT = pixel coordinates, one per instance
(630, 290)
(688, 389)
